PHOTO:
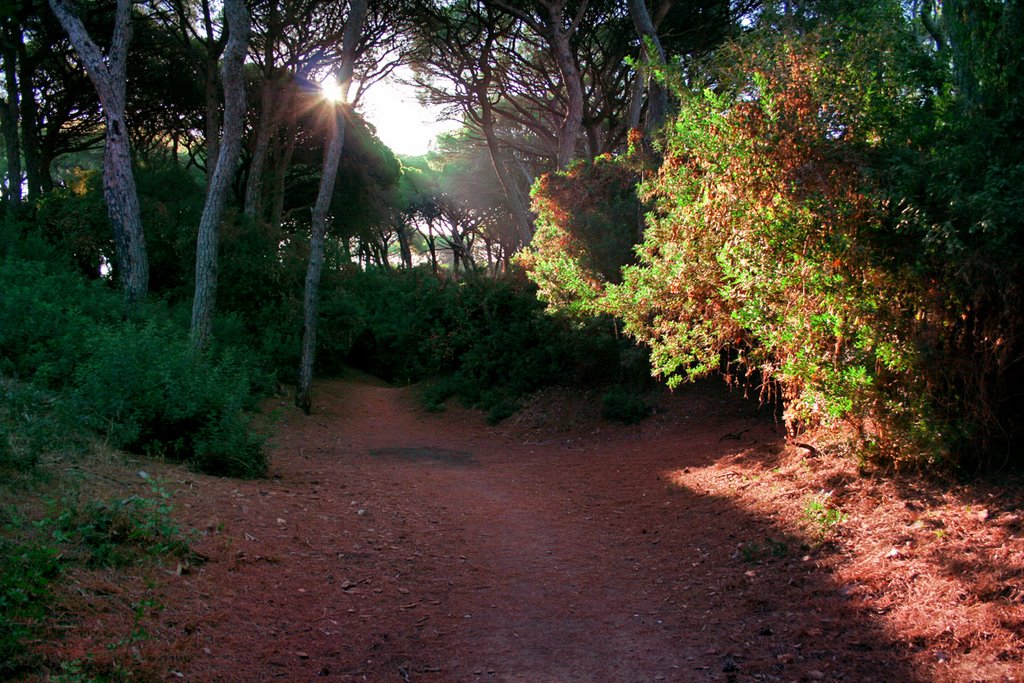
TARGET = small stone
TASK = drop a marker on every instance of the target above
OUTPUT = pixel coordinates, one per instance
(815, 676)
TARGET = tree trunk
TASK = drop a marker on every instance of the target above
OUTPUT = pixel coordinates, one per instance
(9, 121)
(332, 155)
(657, 95)
(207, 244)
(211, 94)
(524, 223)
(402, 230)
(265, 132)
(569, 132)
(283, 159)
(276, 94)
(36, 173)
(108, 77)
(213, 122)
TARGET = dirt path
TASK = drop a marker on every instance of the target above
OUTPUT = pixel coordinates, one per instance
(395, 545)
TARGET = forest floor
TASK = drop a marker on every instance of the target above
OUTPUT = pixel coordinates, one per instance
(392, 544)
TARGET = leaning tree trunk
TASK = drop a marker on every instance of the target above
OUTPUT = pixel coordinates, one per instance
(265, 132)
(402, 230)
(657, 94)
(108, 76)
(520, 212)
(204, 302)
(332, 155)
(569, 132)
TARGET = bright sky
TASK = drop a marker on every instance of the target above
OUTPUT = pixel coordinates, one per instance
(402, 123)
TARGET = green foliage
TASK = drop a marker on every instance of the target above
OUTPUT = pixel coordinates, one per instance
(34, 423)
(136, 381)
(115, 533)
(72, 221)
(149, 391)
(587, 224)
(487, 342)
(824, 516)
(26, 569)
(47, 320)
(171, 204)
(833, 219)
(624, 406)
(92, 533)
(759, 245)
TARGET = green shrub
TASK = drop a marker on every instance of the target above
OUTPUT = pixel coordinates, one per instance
(149, 391)
(771, 247)
(588, 221)
(26, 569)
(624, 406)
(487, 342)
(34, 423)
(115, 533)
(48, 319)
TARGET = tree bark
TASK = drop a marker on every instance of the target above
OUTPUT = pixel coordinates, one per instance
(282, 160)
(37, 174)
(561, 48)
(332, 155)
(402, 230)
(9, 120)
(213, 122)
(265, 132)
(108, 76)
(657, 95)
(207, 244)
(524, 223)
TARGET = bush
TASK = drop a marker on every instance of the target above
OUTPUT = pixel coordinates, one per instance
(48, 319)
(34, 423)
(149, 391)
(486, 342)
(623, 406)
(588, 221)
(26, 569)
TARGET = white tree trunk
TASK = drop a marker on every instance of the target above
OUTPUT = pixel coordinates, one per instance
(207, 243)
(108, 76)
(332, 155)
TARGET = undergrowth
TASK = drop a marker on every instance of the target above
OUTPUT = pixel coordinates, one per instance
(75, 531)
(486, 342)
(73, 358)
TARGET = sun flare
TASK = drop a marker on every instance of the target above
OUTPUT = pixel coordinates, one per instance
(330, 89)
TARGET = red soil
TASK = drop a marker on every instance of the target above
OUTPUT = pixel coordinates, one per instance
(396, 545)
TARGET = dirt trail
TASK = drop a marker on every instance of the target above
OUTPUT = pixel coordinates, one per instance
(396, 545)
